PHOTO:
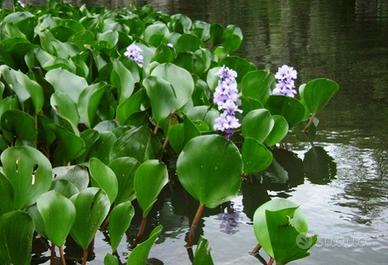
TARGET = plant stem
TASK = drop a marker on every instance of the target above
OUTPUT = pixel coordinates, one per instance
(63, 260)
(193, 228)
(140, 234)
(85, 256)
(256, 250)
(156, 128)
(52, 256)
(271, 260)
(306, 128)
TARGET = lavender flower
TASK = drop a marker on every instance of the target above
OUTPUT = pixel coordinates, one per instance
(134, 53)
(285, 81)
(226, 98)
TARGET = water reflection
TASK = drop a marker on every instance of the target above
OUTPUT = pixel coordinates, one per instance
(319, 167)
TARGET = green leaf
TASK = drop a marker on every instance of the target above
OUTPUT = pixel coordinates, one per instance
(256, 157)
(278, 132)
(206, 175)
(18, 125)
(180, 79)
(66, 82)
(140, 254)
(103, 177)
(77, 175)
(29, 173)
(232, 38)
(257, 85)
(240, 65)
(125, 168)
(122, 79)
(201, 29)
(89, 101)
(291, 109)
(139, 143)
(156, 33)
(212, 78)
(287, 241)
(202, 253)
(58, 215)
(268, 234)
(176, 137)
(162, 97)
(187, 42)
(119, 222)
(150, 178)
(318, 92)
(70, 146)
(110, 260)
(103, 147)
(130, 106)
(16, 230)
(6, 195)
(109, 38)
(64, 187)
(92, 206)
(257, 124)
(65, 107)
(24, 87)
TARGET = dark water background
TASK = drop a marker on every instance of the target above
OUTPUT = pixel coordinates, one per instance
(341, 183)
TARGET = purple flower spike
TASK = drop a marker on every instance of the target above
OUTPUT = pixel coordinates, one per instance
(134, 53)
(226, 98)
(285, 81)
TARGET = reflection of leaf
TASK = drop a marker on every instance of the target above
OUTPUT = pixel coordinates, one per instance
(319, 167)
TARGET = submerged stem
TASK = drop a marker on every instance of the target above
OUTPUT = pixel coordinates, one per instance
(271, 260)
(193, 228)
(63, 260)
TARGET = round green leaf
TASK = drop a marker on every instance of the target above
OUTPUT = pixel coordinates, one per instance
(278, 132)
(29, 173)
(150, 178)
(186, 43)
(103, 177)
(6, 195)
(66, 82)
(257, 85)
(89, 101)
(256, 157)
(122, 79)
(16, 230)
(24, 87)
(162, 97)
(257, 124)
(92, 206)
(58, 215)
(119, 222)
(232, 38)
(291, 109)
(318, 92)
(140, 254)
(124, 169)
(65, 107)
(278, 224)
(18, 125)
(208, 176)
(139, 143)
(110, 260)
(180, 80)
(77, 175)
(156, 33)
(202, 253)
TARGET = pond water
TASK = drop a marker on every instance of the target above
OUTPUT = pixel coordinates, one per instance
(342, 182)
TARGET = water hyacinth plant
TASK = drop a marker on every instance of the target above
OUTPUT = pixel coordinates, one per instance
(99, 106)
